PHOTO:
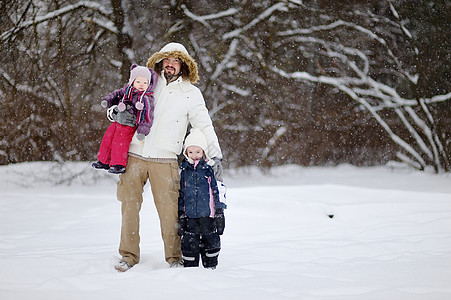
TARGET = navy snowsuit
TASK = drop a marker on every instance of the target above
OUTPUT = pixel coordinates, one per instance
(200, 236)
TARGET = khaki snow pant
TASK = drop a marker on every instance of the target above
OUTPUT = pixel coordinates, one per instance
(164, 182)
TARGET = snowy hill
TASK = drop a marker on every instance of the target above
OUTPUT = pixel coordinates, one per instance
(389, 238)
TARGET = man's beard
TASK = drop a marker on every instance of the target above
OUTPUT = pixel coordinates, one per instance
(170, 75)
(169, 72)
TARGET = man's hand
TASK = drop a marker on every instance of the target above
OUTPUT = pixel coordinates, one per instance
(122, 117)
(217, 168)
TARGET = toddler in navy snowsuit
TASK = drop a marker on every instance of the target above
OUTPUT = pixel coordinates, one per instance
(201, 213)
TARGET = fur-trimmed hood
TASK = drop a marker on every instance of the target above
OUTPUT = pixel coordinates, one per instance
(179, 51)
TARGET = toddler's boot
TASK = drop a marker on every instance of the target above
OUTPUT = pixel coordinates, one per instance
(117, 169)
(100, 165)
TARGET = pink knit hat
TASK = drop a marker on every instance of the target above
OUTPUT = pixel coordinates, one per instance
(139, 71)
(136, 71)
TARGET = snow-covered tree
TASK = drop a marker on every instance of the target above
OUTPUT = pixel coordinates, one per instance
(56, 58)
(306, 82)
(357, 52)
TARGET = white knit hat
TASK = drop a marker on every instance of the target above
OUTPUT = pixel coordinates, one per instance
(139, 71)
(196, 138)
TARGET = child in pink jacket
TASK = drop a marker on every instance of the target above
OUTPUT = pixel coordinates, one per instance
(133, 112)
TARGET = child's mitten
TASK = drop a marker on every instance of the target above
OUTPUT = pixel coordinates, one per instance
(140, 136)
(181, 226)
(219, 220)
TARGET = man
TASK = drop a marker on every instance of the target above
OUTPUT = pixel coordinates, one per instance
(177, 103)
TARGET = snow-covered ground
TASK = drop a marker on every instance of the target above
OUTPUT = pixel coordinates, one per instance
(389, 238)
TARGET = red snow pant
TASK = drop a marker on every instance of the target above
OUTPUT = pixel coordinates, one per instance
(115, 143)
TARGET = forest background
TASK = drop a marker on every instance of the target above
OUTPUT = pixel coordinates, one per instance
(320, 82)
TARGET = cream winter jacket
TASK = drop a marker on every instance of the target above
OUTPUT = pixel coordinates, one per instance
(176, 105)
